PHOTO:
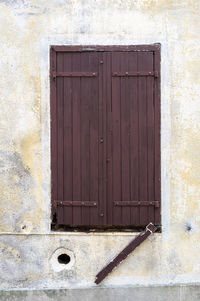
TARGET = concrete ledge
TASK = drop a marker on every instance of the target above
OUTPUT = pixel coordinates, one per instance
(155, 293)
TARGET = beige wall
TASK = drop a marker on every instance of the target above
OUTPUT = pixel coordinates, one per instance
(27, 28)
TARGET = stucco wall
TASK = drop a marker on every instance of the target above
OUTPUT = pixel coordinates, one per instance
(27, 28)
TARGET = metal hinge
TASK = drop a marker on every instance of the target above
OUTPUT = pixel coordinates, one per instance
(135, 73)
(75, 74)
(137, 203)
(74, 203)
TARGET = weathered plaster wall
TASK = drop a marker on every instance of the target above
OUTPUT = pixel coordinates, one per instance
(27, 28)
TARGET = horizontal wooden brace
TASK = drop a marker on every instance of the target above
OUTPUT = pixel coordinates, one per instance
(75, 74)
(137, 203)
(74, 203)
(131, 73)
(80, 48)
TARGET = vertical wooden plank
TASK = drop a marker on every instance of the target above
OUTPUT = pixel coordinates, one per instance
(94, 145)
(125, 141)
(105, 140)
(76, 130)
(150, 137)
(157, 137)
(134, 145)
(109, 155)
(104, 144)
(100, 142)
(59, 90)
(85, 138)
(143, 151)
(116, 119)
(68, 158)
(54, 183)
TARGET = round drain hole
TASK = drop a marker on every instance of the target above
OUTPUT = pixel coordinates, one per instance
(64, 258)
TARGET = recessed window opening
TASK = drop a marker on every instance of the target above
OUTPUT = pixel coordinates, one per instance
(105, 137)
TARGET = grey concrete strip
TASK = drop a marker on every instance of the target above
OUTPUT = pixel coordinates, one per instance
(158, 293)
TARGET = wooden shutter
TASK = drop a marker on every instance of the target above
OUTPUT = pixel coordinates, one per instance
(105, 136)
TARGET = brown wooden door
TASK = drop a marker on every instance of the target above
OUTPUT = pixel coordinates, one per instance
(105, 136)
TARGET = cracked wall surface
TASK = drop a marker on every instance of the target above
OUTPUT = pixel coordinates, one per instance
(27, 30)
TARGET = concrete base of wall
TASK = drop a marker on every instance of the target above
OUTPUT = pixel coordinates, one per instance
(158, 293)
